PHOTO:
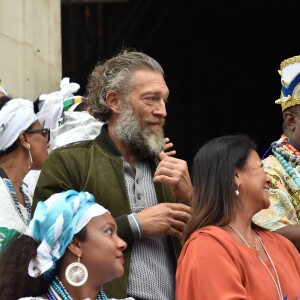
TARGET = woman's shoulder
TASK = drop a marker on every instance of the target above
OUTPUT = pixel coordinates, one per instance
(208, 231)
(275, 238)
(211, 237)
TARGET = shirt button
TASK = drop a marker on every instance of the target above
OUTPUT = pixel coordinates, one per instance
(137, 181)
(139, 196)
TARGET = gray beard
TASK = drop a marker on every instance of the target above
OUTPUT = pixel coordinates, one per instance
(142, 141)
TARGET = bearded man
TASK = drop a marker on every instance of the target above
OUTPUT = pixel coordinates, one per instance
(127, 171)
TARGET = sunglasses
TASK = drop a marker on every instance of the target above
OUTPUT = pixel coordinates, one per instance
(45, 132)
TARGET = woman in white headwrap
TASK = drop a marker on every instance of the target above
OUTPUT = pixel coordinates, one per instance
(71, 248)
(23, 147)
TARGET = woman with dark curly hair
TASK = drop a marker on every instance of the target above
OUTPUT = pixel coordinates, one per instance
(70, 249)
(227, 256)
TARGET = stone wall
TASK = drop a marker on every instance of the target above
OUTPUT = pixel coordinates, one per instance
(30, 47)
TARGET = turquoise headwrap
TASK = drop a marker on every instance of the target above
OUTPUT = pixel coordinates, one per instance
(54, 224)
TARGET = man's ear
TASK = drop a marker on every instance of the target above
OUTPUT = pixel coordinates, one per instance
(289, 120)
(75, 247)
(113, 101)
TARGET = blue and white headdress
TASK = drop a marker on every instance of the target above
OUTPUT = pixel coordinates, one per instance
(290, 82)
(54, 224)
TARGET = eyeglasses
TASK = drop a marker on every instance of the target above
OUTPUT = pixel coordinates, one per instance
(45, 132)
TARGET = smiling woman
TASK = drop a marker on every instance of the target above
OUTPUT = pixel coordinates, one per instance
(70, 249)
(230, 186)
(21, 150)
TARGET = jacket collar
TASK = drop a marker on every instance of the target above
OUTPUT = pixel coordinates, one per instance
(106, 143)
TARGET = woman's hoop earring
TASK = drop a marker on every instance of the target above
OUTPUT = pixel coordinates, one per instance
(76, 273)
(30, 157)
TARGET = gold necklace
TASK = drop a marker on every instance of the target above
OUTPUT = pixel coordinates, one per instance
(276, 282)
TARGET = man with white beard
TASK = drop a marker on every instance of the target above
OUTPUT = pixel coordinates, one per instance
(127, 171)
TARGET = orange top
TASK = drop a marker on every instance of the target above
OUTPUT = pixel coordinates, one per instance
(212, 265)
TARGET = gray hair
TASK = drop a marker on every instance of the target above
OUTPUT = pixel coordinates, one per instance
(116, 74)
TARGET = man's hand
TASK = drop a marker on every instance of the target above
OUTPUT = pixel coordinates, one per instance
(164, 219)
(174, 173)
(168, 146)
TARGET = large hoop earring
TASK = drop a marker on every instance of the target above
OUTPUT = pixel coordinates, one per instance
(30, 157)
(76, 273)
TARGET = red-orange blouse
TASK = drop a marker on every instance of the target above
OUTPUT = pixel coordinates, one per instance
(212, 265)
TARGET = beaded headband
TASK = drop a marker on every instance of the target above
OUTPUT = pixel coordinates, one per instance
(290, 82)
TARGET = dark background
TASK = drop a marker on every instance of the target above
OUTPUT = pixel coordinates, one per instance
(220, 58)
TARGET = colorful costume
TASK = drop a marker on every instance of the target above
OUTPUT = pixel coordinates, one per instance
(284, 188)
(212, 265)
(283, 167)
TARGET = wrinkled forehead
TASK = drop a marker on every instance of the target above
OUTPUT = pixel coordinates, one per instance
(149, 80)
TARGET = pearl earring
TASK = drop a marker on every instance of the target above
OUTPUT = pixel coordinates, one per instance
(236, 192)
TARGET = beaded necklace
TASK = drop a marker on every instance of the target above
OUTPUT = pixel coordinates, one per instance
(57, 291)
(276, 282)
(15, 201)
(288, 156)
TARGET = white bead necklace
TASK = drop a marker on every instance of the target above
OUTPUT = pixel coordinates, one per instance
(276, 282)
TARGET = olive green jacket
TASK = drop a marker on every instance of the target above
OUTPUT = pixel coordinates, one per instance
(96, 166)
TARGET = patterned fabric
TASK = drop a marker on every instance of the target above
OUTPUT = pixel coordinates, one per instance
(152, 269)
(11, 222)
(284, 198)
(6, 236)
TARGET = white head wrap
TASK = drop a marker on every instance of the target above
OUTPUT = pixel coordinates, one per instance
(52, 108)
(15, 116)
(77, 126)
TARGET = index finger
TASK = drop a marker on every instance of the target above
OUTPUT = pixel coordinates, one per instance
(181, 207)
